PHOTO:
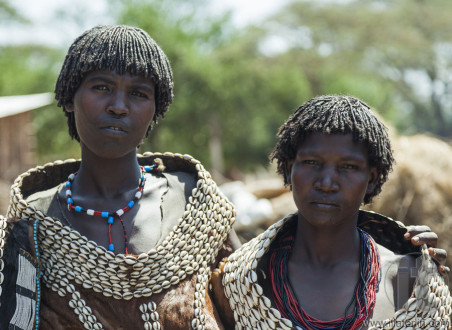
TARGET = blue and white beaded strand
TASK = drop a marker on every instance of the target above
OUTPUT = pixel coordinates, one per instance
(110, 216)
(38, 274)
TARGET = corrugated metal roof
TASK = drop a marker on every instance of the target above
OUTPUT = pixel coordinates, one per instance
(12, 105)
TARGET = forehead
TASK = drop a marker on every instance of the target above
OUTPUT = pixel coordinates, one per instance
(338, 145)
(113, 75)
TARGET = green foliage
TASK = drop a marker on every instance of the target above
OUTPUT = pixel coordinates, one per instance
(53, 140)
(9, 14)
(387, 46)
(233, 89)
(223, 91)
(27, 69)
(30, 69)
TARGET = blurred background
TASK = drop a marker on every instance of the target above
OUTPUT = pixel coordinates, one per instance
(240, 69)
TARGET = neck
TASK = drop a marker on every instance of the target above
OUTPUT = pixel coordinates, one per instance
(325, 247)
(106, 178)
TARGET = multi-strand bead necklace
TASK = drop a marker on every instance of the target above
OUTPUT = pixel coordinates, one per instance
(109, 216)
(362, 302)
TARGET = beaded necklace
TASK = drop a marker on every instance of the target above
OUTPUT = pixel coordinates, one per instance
(365, 291)
(38, 274)
(109, 216)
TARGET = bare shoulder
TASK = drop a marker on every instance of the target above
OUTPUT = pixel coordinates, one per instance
(390, 258)
(400, 269)
(397, 277)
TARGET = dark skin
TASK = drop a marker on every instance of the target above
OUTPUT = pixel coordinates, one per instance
(324, 268)
(419, 235)
(112, 114)
(330, 176)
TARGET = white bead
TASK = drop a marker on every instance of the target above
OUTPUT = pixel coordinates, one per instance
(138, 195)
(120, 212)
(90, 212)
(68, 193)
(71, 177)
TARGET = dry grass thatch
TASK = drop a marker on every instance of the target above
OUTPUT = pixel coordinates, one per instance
(419, 190)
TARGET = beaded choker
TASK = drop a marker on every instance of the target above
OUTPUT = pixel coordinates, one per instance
(109, 216)
(365, 292)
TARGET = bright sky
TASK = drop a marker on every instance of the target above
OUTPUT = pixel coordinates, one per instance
(60, 32)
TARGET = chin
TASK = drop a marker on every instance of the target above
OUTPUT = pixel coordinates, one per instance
(114, 153)
(324, 223)
(321, 221)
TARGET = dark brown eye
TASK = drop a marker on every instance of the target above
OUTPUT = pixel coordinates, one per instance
(100, 87)
(350, 167)
(138, 94)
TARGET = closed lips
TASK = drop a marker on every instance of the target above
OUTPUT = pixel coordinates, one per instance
(325, 203)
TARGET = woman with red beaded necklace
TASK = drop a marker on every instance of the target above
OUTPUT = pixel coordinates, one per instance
(318, 268)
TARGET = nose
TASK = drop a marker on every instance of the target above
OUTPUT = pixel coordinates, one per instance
(326, 180)
(118, 105)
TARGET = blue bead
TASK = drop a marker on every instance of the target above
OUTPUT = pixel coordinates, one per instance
(78, 209)
(68, 184)
(70, 201)
(111, 219)
(131, 204)
(105, 214)
(111, 247)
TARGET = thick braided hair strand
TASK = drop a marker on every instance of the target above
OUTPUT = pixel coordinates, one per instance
(336, 114)
(119, 48)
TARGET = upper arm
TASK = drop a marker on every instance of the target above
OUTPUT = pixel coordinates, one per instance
(406, 269)
(219, 297)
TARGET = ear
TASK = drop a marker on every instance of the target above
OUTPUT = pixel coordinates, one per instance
(69, 107)
(288, 171)
(373, 178)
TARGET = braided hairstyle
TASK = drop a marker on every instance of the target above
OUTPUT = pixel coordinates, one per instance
(118, 48)
(334, 114)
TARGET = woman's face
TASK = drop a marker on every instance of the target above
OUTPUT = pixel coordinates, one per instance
(113, 112)
(330, 176)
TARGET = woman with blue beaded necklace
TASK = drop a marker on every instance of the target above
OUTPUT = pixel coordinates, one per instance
(116, 240)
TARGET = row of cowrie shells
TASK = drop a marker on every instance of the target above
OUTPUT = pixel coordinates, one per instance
(150, 316)
(195, 241)
(84, 312)
(55, 254)
(431, 299)
(430, 302)
(86, 262)
(91, 275)
(199, 303)
(252, 310)
(149, 311)
(78, 304)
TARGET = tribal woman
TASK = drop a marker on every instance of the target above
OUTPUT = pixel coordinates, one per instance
(115, 240)
(319, 268)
